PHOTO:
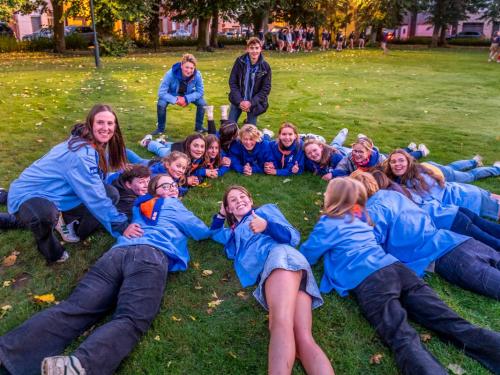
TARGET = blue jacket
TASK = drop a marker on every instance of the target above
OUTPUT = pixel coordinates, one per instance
(67, 179)
(347, 165)
(442, 215)
(240, 156)
(318, 170)
(175, 224)
(297, 155)
(407, 232)
(249, 250)
(167, 93)
(350, 250)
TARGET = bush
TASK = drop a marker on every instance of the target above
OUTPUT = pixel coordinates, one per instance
(469, 42)
(39, 44)
(116, 46)
(423, 40)
(76, 41)
(9, 44)
(231, 41)
(178, 42)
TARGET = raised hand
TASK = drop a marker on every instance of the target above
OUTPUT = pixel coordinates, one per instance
(258, 224)
(295, 168)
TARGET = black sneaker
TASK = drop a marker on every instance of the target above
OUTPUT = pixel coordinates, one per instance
(3, 196)
(157, 132)
(202, 130)
(8, 221)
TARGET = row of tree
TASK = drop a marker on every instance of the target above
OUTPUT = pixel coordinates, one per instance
(328, 14)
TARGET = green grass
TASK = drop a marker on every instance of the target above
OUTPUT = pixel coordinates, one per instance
(447, 99)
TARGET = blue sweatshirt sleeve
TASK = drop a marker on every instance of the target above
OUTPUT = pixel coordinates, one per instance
(316, 245)
(192, 226)
(278, 226)
(163, 94)
(200, 172)
(83, 177)
(222, 171)
(235, 155)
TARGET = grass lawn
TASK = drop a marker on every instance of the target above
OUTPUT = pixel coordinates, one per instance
(447, 99)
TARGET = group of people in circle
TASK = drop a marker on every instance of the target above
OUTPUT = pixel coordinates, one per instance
(387, 219)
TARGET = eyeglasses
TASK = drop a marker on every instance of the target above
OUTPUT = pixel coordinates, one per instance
(168, 186)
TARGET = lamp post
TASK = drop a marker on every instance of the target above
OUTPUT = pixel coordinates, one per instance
(96, 43)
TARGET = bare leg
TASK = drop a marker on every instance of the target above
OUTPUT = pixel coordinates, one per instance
(309, 353)
(281, 294)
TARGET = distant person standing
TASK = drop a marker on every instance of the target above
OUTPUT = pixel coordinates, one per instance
(494, 48)
(250, 84)
(340, 40)
(181, 85)
(324, 40)
(309, 39)
(383, 43)
(351, 40)
(361, 40)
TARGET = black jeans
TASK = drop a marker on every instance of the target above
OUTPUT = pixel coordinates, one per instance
(468, 223)
(388, 295)
(129, 279)
(40, 216)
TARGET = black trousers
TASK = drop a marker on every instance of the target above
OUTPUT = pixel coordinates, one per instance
(389, 296)
(40, 216)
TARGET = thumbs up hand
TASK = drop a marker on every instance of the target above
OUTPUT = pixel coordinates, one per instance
(258, 224)
(295, 168)
(247, 169)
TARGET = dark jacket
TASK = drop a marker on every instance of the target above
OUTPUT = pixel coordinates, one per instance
(262, 86)
(127, 198)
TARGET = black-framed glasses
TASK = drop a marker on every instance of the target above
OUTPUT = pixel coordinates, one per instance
(168, 186)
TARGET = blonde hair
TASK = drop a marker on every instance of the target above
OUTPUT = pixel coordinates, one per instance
(342, 194)
(369, 182)
(365, 142)
(172, 157)
(187, 57)
(252, 131)
(289, 125)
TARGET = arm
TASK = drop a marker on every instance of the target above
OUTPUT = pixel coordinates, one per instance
(234, 85)
(265, 90)
(163, 94)
(191, 225)
(342, 168)
(316, 245)
(278, 226)
(198, 89)
(235, 155)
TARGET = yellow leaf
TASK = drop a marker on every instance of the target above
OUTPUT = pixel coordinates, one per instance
(157, 338)
(376, 359)
(215, 303)
(176, 319)
(192, 317)
(206, 273)
(10, 260)
(6, 307)
(204, 185)
(242, 295)
(198, 287)
(232, 355)
(214, 295)
(6, 283)
(45, 298)
(196, 265)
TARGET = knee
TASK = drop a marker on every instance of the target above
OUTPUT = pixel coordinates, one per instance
(304, 342)
(280, 323)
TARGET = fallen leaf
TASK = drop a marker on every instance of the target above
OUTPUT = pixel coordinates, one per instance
(196, 265)
(287, 180)
(214, 295)
(10, 260)
(232, 355)
(215, 303)
(306, 218)
(157, 338)
(45, 298)
(424, 337)
(176, 319)
(242, 295)
(192, 317)
(6, 283)
(376, 359)
(204, 185)
(198, 287)
(456, 369)
(206, 273)
(6, 307)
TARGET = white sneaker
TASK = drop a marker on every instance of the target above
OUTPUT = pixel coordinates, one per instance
(268, 132)
(209, 110)
(344, 131)
(64, 257)
(144, 141)
(423, 149)
(479, 160)
(162, 138)
(412, 146)
(67, 232)
(361, 135)
(224, 112)
(496, 164)
(62, 365)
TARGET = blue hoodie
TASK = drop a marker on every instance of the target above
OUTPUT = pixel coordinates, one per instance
(250, 250)
(240, 156)
(297, 155)
(350, 250)
(174, 225)
(407, 232)
(318, 170)
(167, 93)
(67, 179)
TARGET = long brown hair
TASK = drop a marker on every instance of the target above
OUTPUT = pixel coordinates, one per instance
(209, 140)
(342, 195)
(326, 154)
(228, 132)
(190, 139)
(413, 177)
(231, 219)
(82, 134)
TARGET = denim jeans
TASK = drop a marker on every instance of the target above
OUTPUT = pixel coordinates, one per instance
(474, 266)
(235, 112)
(131, 278)
(41, 215)
(392, 294)
(134, 158)
(160, 149)
(468, 223)
(161, 112)
(465, 171)
(338, 143)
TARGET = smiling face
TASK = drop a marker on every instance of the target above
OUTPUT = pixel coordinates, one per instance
(313, 152)
(248, 142)
(287, 136)
(359, 153)
(103, 127)
(254, 51)
(238, 203)
(167, 188)
(177, 168)
(187, 69)
(139, 185)
(213, 150)
(398, 164)
(197, 148)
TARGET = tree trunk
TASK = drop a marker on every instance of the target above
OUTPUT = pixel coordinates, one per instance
(203, 34)
(153, 26)
(442, 37)
(413, 23)
(214, 28)
(59, 42)
(435, 36)
(260, 21)
(373, 35)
